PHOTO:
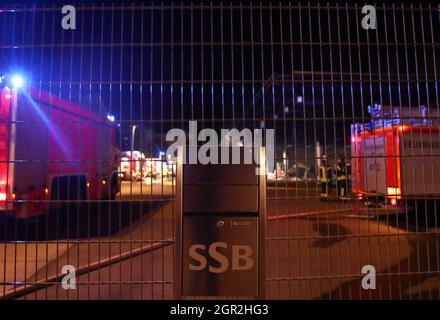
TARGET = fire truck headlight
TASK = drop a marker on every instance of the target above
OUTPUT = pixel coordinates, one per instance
(17, 81)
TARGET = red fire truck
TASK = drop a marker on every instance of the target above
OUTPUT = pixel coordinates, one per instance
(52, 149)
(396, 156)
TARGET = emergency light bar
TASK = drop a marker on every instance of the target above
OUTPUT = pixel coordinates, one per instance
(14, 81)
(384, 117)
(17, 81)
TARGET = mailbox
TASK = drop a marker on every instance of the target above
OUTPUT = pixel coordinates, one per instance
(220, 226)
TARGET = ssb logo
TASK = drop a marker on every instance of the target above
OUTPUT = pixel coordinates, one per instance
(241, 257)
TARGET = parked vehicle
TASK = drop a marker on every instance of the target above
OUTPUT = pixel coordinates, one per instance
(133, 165)
(395, 156)
(52, 149)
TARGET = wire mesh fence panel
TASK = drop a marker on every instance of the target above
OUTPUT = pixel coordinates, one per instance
(89, 92)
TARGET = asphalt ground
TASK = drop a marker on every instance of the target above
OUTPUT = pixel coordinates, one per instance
(315, 250)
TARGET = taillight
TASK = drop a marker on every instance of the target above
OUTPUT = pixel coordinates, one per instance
(5, 104)
(393, 201)
(392, 191)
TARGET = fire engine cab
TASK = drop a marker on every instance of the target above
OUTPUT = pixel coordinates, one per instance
(396, 155)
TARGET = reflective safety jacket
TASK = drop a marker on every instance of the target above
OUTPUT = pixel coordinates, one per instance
(341, 171)
(325, 173)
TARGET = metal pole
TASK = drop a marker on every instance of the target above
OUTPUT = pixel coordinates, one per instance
(133, 131)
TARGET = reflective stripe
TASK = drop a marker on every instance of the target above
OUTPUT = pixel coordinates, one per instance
(323, 174)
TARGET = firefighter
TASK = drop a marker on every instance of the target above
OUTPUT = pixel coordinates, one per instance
(341, 174)
(325, 174)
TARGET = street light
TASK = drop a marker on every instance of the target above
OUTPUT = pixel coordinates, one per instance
(133, 131)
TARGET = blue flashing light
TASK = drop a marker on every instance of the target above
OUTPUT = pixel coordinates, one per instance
(111, 118)
(17, 81)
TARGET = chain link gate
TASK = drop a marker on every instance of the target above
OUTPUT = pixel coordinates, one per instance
(87, 187)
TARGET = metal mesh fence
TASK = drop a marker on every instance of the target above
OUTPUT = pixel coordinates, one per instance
(87, 182)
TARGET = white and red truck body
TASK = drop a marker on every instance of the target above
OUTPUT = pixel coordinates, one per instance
(48, 146)
(396, 156)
